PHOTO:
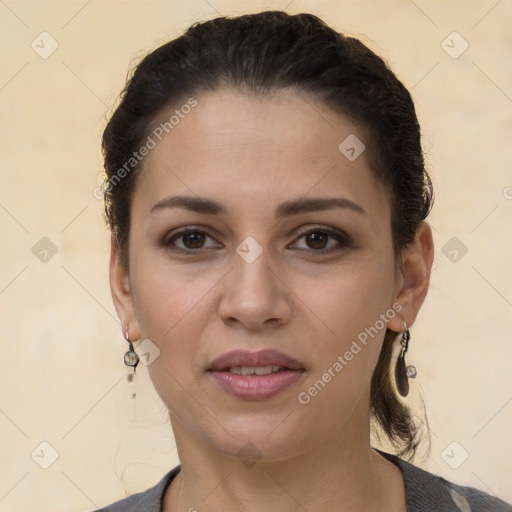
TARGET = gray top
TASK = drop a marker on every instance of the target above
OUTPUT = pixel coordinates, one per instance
(424, 491)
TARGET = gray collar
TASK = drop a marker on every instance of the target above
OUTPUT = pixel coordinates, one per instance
(423, 490)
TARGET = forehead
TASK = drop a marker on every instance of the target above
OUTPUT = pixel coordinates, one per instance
(253, 149)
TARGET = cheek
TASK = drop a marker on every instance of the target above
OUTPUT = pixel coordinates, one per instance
(162, 293)
(352, 298)
(173, 308)
(172, 313)
(354, 305)
(167, 306)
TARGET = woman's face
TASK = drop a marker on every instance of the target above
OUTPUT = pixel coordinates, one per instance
(289, 249)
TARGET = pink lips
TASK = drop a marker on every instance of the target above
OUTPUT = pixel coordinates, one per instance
(255, 387)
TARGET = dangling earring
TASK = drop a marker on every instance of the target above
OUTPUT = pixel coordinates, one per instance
(130, 358)
(403, 372)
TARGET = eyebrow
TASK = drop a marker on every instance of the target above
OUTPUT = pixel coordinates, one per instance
(286, 209)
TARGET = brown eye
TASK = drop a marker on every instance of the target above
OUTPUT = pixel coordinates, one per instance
(322, 240)
(189, 240)
(194, 240)
(317, 240)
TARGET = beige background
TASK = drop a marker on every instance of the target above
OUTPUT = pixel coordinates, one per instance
(63, 380)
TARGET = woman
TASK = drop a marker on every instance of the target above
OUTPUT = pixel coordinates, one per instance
(267, 197)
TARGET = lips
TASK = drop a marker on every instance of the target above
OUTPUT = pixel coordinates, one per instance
(244, 358)
(255, 375)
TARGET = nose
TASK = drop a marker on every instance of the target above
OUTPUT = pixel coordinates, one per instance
(255, 295)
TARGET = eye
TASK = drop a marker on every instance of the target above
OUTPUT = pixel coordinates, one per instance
(323, 240)
(190, 239)
(317, 239)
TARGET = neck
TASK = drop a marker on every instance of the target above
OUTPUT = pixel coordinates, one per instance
(349, 473)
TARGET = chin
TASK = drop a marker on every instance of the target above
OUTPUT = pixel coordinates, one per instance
(261, 438)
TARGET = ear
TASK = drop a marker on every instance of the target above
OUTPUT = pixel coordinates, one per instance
(120, 289)
(413, 277)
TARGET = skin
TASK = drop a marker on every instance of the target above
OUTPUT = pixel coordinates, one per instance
(251, 155)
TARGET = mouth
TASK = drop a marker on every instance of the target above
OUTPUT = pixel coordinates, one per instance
(266, 361)
(255, 375)
(247, 371)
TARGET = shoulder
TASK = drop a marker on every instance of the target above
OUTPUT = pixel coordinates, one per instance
(426, 491)
(149, 500)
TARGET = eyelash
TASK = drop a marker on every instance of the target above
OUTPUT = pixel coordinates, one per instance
(342, 239)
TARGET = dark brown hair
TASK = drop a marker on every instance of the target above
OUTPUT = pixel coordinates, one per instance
(260, 54)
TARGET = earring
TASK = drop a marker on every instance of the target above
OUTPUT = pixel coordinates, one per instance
(403, 372)
(130, 358)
